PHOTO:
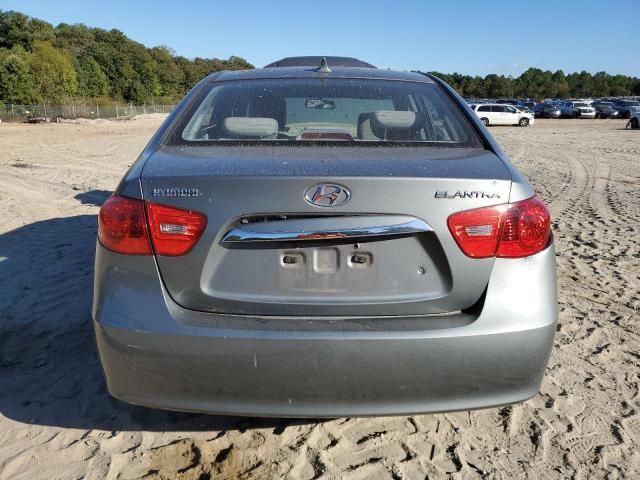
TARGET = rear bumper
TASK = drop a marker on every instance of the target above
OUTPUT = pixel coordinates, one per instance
(156, 354)
(323, 377)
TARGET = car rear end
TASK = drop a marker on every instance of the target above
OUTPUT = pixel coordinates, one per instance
(551, 111)
(585, 111)
(349, 243)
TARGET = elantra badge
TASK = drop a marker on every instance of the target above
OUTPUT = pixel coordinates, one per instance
(466, 194)
(327, 195)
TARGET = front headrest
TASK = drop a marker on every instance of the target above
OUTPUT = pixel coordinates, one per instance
(396, 124)
(248, 127)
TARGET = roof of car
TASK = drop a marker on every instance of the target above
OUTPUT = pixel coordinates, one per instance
(311, 61)
(310, 72)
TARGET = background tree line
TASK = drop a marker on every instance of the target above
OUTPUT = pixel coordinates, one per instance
(536, 83)
(40, 62)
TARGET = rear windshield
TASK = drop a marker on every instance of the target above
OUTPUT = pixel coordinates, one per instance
(299, 111)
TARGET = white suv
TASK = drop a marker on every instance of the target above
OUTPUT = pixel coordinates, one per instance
(502, 114)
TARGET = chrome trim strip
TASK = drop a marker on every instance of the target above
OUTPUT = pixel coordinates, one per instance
(410, 227)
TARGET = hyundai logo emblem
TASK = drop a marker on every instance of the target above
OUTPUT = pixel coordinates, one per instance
(327, 195)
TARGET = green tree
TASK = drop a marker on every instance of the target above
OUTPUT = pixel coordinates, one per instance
(581, 84)
(601, 84)
(170, 76)
(560, 85)
(92, 82)
(17, 82)
(475, 87)
(146, 84)
(190, 71)
(73, 38)
(235, 63)
(54, 73)
(79, 60)
(499, 86)
(110, 52)
(535, 83)
(621, 85)
(19, 29)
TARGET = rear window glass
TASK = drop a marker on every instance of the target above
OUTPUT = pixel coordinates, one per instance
(294, 111)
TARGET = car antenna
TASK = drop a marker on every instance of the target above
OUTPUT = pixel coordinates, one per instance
(323, 68)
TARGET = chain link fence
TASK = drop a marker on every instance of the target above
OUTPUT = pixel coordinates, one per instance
(46, 112)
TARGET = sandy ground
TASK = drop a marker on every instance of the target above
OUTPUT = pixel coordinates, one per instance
(57, 421)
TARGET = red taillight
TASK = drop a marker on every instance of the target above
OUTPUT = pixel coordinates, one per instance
(526, 229)
(477, 232)
(122, 227)
(174, 231)
(511, 231)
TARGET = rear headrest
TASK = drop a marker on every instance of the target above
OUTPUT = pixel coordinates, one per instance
(392, 124)
(395, 119)
(247, 127)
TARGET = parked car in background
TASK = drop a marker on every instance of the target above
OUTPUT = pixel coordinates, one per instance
(547, 110)
(507, 101)
(273, 252)
(524, 109)
(503, 114)
(627, 107)
(577, 110)
(605, 109)
(526, 103)
(634, 121)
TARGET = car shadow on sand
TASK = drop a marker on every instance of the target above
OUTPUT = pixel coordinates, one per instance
(49, 369)
(93, 197)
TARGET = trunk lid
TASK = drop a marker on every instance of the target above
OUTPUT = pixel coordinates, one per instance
(383, 250)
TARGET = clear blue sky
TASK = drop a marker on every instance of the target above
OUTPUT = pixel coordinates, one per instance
(467, 36)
